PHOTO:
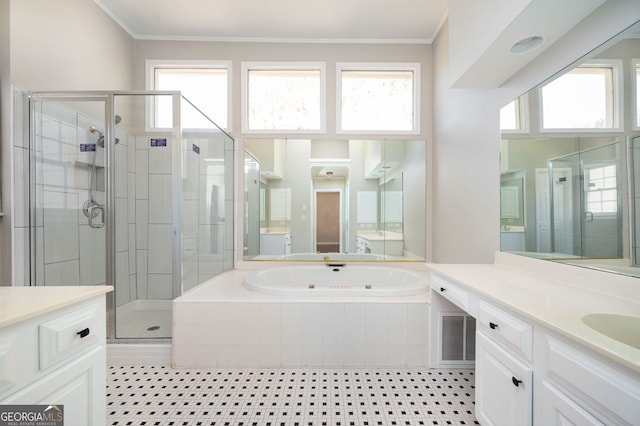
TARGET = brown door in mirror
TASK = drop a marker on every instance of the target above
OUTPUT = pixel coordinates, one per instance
(328, 222)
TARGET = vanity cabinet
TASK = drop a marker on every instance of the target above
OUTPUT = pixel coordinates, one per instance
(578, 388)
(388, 243)
(528, 373)
(276, 243)
(504, 385)
(504, 375)
(57, 358)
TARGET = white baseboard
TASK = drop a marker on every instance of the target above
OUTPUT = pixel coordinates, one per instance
(123, 354)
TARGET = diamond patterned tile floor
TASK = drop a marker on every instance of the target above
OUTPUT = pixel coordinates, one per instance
(159, 395)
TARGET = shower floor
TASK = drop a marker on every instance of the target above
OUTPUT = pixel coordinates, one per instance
(144, 319)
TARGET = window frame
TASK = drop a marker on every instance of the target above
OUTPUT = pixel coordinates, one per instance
(523, 116)
(617, 102)
(247, 66)
(152, 64)
(589, 179)
(413, 67)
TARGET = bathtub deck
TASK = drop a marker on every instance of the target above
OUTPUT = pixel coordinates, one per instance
(228, 287)
(222, 324)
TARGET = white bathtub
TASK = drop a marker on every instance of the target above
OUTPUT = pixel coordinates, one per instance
(347, 281)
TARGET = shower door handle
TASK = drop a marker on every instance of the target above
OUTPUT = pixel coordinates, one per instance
(92, 216)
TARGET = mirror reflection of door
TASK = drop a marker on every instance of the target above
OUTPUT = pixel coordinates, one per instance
(563, 211)
(543, 212)
(328, 222)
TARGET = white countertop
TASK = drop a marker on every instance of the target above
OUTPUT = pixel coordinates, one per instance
(274, 231)
(384, 236)
(21, 303)
(556, 296)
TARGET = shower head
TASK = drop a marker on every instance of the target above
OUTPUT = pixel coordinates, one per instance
(100, 142)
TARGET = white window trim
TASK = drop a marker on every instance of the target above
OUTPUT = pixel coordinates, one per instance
(602, 215)
(152, 64)
(524, 116)
(379, 66)
(635, 63)
(244, 93)
(616, 66)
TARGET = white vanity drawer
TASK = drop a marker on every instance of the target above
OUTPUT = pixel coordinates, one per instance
(453, 292)
(507, 328)
(609, 395)
(68, 335)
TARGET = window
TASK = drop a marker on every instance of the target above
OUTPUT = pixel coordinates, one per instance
(378, 98)
(584, 98)
(288, 97)
(513, 116)
(204, 84)
(602, 189)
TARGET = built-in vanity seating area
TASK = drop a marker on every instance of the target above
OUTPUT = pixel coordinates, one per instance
(538, 357)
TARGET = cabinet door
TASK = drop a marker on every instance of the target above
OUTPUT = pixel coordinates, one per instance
(78, 386)
(560, 410)
(504, 394)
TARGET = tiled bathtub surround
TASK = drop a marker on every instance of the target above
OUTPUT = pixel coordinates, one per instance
(222, 324)
(147, 395)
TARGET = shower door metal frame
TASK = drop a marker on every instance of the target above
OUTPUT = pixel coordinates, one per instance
(582, 194)
(108, 97)
(108, 216)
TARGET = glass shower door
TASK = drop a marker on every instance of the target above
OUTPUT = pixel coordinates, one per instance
(602, 203)
(69, 210)
(587, 203)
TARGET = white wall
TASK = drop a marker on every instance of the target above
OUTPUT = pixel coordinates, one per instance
(68, 45)
(50, 45)
(466, 137)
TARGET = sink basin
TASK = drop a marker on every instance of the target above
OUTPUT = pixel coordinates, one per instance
(623, 328)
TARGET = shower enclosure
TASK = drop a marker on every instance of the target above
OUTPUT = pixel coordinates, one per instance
(134, 190)
(586, 203)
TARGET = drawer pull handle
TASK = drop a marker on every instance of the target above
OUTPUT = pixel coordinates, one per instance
(442, 289)
(515, 381)
(83, 333)
(493, 326)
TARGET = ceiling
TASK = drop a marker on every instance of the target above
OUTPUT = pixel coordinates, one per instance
(414, 21)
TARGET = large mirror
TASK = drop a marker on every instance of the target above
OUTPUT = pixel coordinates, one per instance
(568, 156)
(335, 200)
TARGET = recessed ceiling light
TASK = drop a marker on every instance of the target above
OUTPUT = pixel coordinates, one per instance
(526, 45)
